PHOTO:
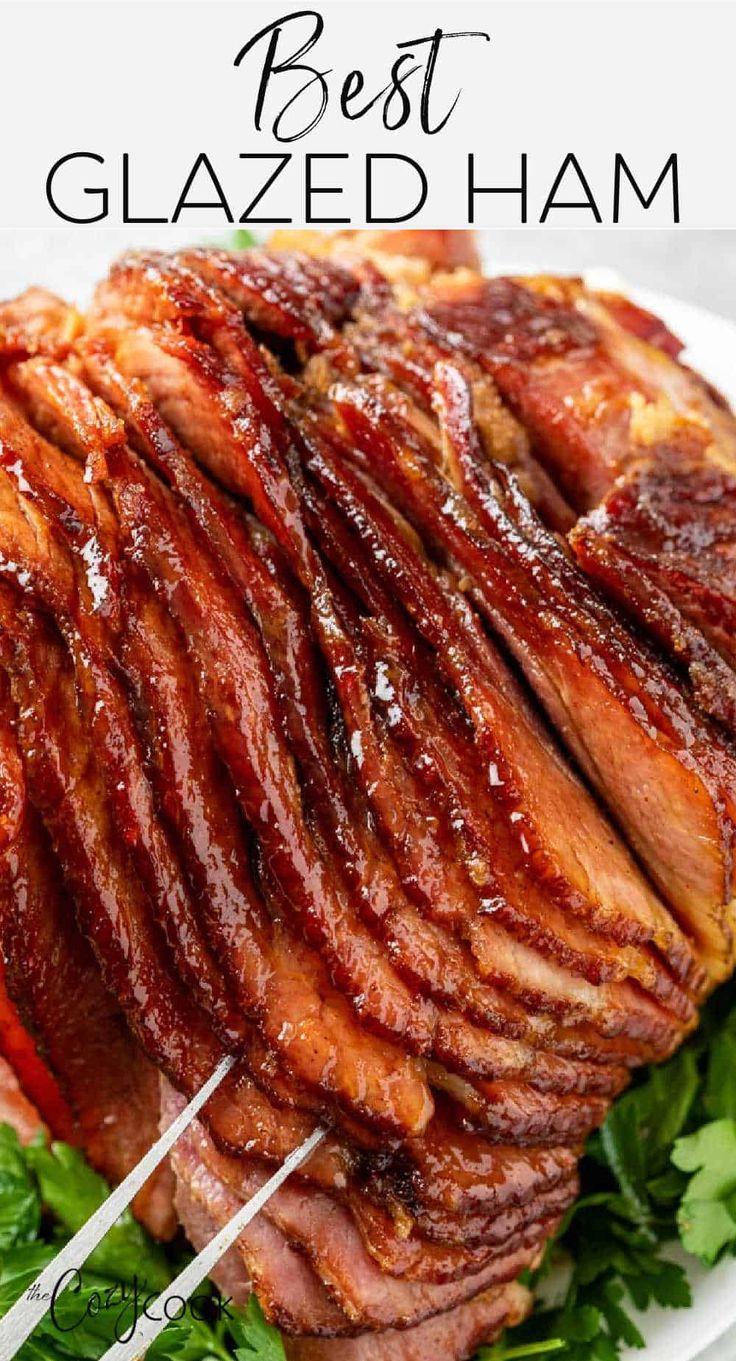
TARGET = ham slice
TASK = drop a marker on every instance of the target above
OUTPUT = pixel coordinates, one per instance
(288, 1290)
(455, 1334)
(451, 1337)
(662, 546)
(680, 761)
(324, 1231)
(585, 386)
(109, 1101)
(15, 1108)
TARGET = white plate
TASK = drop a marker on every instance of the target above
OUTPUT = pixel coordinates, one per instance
(707, 1331)
(71, 262)
(710, 339)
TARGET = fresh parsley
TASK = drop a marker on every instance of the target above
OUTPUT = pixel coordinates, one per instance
(46, 1194)
(524, 1352)
(241, 239)
(255, 1339)
(20, 1207)
(706, 1216)
(662, 1167)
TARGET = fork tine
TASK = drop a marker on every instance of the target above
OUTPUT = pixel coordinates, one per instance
(149, 1326)
(21, 1319)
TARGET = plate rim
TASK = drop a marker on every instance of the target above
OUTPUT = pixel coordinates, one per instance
(691, 323)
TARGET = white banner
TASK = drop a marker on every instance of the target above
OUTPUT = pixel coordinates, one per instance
(451, 114)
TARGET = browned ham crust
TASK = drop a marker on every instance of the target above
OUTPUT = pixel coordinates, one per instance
(332, 737)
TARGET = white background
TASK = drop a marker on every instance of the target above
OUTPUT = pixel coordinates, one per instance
(159, 82)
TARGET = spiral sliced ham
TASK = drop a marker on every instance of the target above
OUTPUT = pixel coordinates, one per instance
(367, 703)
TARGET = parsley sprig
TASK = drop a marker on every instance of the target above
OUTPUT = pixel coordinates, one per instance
(46, 1194)
(662, 1167)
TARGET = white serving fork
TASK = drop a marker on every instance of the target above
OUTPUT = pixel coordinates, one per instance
(20, 1321)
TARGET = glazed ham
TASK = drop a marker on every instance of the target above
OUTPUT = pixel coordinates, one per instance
(367, 713)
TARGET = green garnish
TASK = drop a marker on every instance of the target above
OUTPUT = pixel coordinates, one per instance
(662, 1167)
(241, 239)
(256, 1340)
(46, 1194)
